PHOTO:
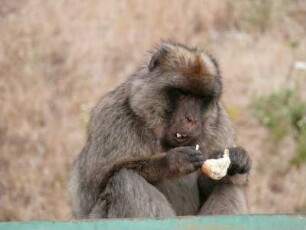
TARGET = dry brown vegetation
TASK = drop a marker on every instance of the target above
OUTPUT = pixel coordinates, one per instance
(58, 57)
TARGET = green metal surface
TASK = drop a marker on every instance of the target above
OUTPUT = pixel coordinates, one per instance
(256, 222)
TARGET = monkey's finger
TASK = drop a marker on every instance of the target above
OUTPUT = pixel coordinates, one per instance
(197, 158)
(194, 153)
(246, 167)
(197, 165)
(238, 169)
(233, 169)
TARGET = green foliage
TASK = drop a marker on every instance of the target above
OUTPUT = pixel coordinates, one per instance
(300, 156)
(283, 113)
(273, 112)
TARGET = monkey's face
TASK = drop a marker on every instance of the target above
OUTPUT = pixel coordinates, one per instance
(177, 94)
(186, 117)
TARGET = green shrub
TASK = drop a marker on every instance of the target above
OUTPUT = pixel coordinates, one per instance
(284, 113)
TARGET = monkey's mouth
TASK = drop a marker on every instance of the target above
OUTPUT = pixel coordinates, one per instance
(181, 138)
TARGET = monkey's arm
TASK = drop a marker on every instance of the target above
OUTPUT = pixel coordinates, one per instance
(176, 162)
(152, 169)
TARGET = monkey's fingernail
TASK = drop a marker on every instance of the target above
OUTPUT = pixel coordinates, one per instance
(197, 147)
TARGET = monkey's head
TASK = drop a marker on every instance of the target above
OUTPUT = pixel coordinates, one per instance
(177, 94)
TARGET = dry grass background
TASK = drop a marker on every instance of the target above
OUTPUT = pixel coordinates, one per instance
(58, 57)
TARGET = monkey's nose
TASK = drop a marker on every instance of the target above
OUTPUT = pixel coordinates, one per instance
(190, 119)
(189, 124)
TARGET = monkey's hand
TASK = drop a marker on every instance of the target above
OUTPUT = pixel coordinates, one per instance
(183, 160)
(238, 171)
(240, 160)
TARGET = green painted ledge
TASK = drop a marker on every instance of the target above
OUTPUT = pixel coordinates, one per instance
(253, 222)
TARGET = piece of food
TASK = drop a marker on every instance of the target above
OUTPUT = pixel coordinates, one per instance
(217, 168)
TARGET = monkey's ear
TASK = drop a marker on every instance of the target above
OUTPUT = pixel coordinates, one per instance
(157, 58)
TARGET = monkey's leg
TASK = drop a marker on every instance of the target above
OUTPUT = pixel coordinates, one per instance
(128, 195)
(225, 199)
(227, 196)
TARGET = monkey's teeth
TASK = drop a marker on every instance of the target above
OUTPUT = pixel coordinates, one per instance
(178, 135)
(197, 147)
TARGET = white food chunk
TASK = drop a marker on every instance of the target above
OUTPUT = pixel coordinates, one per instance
(217, 168)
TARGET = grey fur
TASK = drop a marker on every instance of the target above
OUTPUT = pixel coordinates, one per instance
(123, 169)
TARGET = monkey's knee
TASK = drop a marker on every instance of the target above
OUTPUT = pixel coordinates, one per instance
(225, 199)
(129, 195)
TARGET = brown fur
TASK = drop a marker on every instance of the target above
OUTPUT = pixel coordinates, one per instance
(192, 65)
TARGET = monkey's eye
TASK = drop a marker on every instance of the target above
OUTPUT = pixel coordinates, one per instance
(207, 100)
(175, 92)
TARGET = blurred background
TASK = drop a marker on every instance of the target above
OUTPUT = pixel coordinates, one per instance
(57, 58)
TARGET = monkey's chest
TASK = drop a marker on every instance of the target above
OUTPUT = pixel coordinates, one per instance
(182, 194)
